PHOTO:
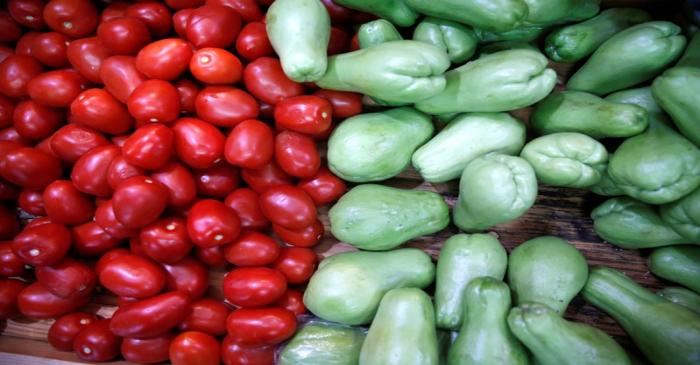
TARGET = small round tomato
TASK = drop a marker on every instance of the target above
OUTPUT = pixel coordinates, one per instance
(180, 20)
(154, 101)
(164, 59)
(345, 104)
(10, 263)
(28, 13)
(297, 264)
(213, 26)
(194, 348)
(250, 144)
(68, 278)
(250, 287)
(207, 315)
(7, 109)
(293, 301)
(95, 342)
(150, 317)
(305, 237)
(252, 249)
(9, 293)
(63, 331)
(183, 4)
(225, 106)
(125, 35)
(198, 143)
(188, 276)
(188, 92)
(149, 147)
(297, 154)
(217, 181)
(132, 276)
(147, 351)
(50, 49)
(338, 42)
(32, 202)
(211, 256)
(288, 206)
(66, 204)
(182, 188)
(29, 168)
(56, 88)
(155, 15)
(265, 79)
(216, 66)
(11, 31)
(98, 109)
(89, 239)
(261, 326)
(35, 302)
(338, 13)
(90, 171)
(304, 114)
(105, 217)
(35, 121)
(166, 240)
(234, 354)
(72, 141)
(324, 187)
(139, 200)
(253, 43)
(246, 203)
(86, 56)
(211, 223)
(74, 18)
(249, 10)
(120, 76)
(120, 169)
(265, 177)
(15, 73)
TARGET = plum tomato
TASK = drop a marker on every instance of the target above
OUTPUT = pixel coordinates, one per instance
(251, 287)
(207, 315)
(95, 342)
(147, 351)
(211, 256)
(98, 109)
(225, 106)
(164, 59)
(56, 88)
(28, 13)
(74, 18)
(233, 353)
(166, 240)
(195, 348)
(133, 276)
(32, 202)
(9, 293)
(253, 43)
(197, 143)
(211, 223)
(149, 147)
(68, 278)
(213, 26)
(63, 331)
(86, 56)
(304, 114)
(123, 35)
(293, 301)
(180, 20)
(246, 203)
(10, 263)
(216, 66)
(297, 264)
(250, 144)
(155, 15)
(263, 178)
(89, 239)
(50, 49)
(249, 10)
(217, 181)
(66, 204)
(183, 4)
(305, 237)
(188, 91)
(178, 179)
(288, 206)
(150, 317)
(89, 173)
(188, 276)
(324, 187)
(139, 200)
(338, 42)
(260, 326)
(265, 79)
(35, 121)
(45, 244)
(120, 169)
(35, 302)
(7, 108)
(120, 76)
(154, 101)
(105, 217)
(15, 73)
(252, 249)
(297, 154)
(345, 104)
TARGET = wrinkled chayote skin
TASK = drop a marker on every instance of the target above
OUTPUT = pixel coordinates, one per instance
(631, 56)
(546, 270)
(377, 217)
(681, 296)
(546, 12)
(501, 81)
(347, 287)
(691, 57)
(504, 46)
(323, 343)
(581, 112)
(552, 340)
(683, 215)
(526, 33)
(495, 15)
(677, 91)
(665, 332)
(631, 224)
(606, 187)
(299, 31)
(640, 96)
(396, 11)
(456, 39)
(402, 71)
(377, 146)
(679, 264)
(575, 42)
(465, 138)
(494, 189)
(377, 32)
(484, 338)
(566, 159)
(463, 258)
(403, 331)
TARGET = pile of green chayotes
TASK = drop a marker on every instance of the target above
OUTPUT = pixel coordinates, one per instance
(468, 64)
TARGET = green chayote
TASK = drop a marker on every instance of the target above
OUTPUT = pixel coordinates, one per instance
(679, 264)
(396, 11)
(606, 186)
(504, 46)
(641, 96)
(456, 39)
(691, 57)
(684, 215)
(525, 33)
(677, 90)
(323, 343)
(681, 296)
(546, 12)
(496, 15)
(377, 32)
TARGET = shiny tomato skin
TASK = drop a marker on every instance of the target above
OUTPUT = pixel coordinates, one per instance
(166, 240)
(216, 66)
(113, 10)
(72, 141)
(28, 13)
(149, 147)
(250, 144)
(9, 293)
(56, 88)
(155, 15)
(89, 173)
(35, 302)
(106, 218)
(147, 351)
(180, 20)
(150, 317)
(253, 43)
(246, 203)
(25, 43)
(338, 42)
(304, 114)
(32, 202)
(233, 353)
(345, 104)
(249, 10)
(252, 249)
(305, 237)
(213, 26)
(5, 51)
(10, 263)
(74, 18)
(132, 276)
(108, 257)
(63, 331)
(288, 206)
(135, 247)
(68, 278)
(188, 276)
(251, 287)
(324, 187)
(211, 256)
(139, 200)
(7, 108)
(293, 301)
(265, 177)
(183, 4)
(297, 264)
(260, 326)
(86, 56)
(197, 143)
(11, 31)
(120, 169)
(217, 181)
(297, 154)
(154, 101)
(10, 135)
(121, 76)
(188, 91)
(211, 223)
(98, 109)
(95, 342)
(89, 239)
(225, 106)
(207, 315)
(29, 168)
(35, 121)
(15, 73)
(265, 79)
(50, 49)
(165, 59)
(124, 35)
(194, 348)
(179, 181)
(66, 204)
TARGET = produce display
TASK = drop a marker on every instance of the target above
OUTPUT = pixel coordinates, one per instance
(149, 148)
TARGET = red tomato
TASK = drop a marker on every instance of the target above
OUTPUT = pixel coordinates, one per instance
(211, 256)
(65, 204)
(63, 331)
(249, 10)
(139, 200)
(253, 286)
(216, 66)
(338, 13)
(105, 217)
(324, 187)
(72, 141)
(120, 169)
(35, 121)
(265, 79)
(29, 168)
(114, 10)
(5, 51)
(10, 264)
(217, 181)
(11, 31)
(120, 76)
(136, 248)
(9, 293)
(45, 146)
(250, 144)
(297, 264)
(293, 301)
(90, 170)
(25, 43)
(149, 147)
(32, 202)
(305, 237)
(150, 317)
(98, 109)
(297, 154)
(147, 351)
(95, 342)
(252, 249)
(194, 348)
(247, 206)
(338, 42)
(225, 106)
(345, 104)
(89, 239)
(211, 223)
(164, 59)
(15, 73)
(180, 20)
(198, 143)
(7, 108)
(56, 88)
(132, 276)
(50, 49)
(182, 4)
(11, 135)
(68, 278)
(288, 206)
(123, 35)
(252, 41)
(28, 13)
(213, 26)
(8, 191)
(304, 114)
(154, 101)
(265, 177)
(188, 91)
(86, 56)
(36, 302)
(260, 326)
(207, 315)
(188, 276)
(74, 18)
(179, 181)
(166, 240)
(234, 354)
(108, 257)
(155, 15)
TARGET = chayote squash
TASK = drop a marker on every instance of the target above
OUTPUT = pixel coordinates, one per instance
(525, 33)
(691, 57)
(679, 264)
(396, 11)
(606, 186)
(546, 12)
(681, 296)
(641, 96)
(324, 343)
(456, 39)
(683, 215)
(377, 32)
(495, 15)
(678, 92)
(504, 46)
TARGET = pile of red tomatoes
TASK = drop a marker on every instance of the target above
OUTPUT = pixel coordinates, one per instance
(141, 145)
